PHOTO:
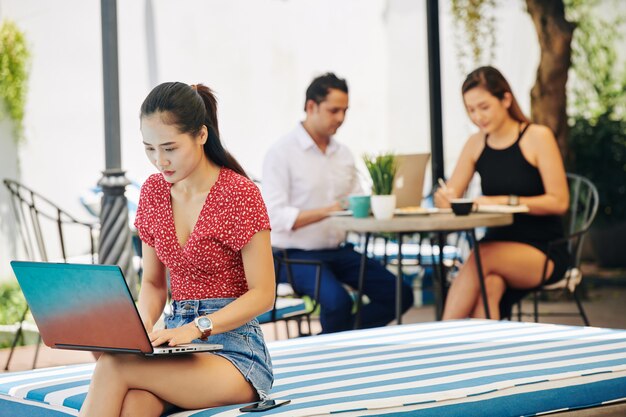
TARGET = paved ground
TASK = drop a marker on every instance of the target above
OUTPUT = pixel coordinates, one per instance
(605, 306)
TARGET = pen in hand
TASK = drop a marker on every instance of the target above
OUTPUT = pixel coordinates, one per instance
(445, 191)
(442, 184)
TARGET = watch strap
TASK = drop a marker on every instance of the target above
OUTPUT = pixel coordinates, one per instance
(513, 200)
(205, 332)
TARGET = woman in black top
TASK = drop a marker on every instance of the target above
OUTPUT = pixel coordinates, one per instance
(519, 163)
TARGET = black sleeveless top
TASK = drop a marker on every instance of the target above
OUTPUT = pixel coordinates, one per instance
(506, 172)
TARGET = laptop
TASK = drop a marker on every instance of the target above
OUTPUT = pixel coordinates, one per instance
(408, 186)
(88, 307)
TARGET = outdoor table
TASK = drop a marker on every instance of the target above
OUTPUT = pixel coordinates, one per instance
(419, 223)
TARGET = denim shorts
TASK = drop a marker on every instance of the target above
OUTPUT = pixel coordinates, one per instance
(244, 346)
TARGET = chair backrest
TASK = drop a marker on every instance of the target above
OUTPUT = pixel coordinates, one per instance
(584, 202)
(44, 227)
(281, 260)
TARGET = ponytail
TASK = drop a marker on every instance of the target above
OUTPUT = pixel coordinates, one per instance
(190, 108)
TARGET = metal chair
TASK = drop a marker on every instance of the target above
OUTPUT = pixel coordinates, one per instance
(43, 229)
(425, 257)
(421, 264)
(289, 305)
(582, 211)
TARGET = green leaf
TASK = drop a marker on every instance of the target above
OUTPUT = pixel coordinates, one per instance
(382, 169)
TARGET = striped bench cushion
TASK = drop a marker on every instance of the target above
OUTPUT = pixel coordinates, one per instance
(458, 368)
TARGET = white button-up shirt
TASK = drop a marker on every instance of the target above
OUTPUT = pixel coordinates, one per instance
(297, 175)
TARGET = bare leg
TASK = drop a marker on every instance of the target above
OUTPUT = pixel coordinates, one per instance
(143, 403)
(495, 287)
(518, 264)
(189, 381)
(464, 291)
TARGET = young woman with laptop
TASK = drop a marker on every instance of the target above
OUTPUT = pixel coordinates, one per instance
(519, 163)
(205, 222)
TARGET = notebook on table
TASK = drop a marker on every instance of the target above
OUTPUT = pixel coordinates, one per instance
(501, 208)
(88, 307)
(408, 185)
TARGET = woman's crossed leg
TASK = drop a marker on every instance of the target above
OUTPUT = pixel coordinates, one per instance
(133, 385)
(504, 264)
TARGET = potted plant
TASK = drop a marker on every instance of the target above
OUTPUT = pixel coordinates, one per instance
(382, 169)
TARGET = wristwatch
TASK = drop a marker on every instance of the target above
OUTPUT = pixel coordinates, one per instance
(205, 325)
(513, 200)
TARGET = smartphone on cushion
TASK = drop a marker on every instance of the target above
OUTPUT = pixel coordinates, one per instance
(263, 406)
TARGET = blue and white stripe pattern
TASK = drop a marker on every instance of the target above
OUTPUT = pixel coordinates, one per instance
(458, 368)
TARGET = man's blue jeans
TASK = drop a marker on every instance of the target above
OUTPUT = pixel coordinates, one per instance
(341, 266)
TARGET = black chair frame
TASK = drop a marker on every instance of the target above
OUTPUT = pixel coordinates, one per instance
(282, 260)
(584, 202)
(30, 209)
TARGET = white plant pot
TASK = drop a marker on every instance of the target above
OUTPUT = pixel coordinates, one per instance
(383, 206)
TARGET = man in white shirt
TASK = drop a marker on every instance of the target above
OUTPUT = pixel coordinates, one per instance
(306, 176)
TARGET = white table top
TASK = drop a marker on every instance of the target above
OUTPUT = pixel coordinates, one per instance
(439, 222)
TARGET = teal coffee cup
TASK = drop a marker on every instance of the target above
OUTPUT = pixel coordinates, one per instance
(360, 205)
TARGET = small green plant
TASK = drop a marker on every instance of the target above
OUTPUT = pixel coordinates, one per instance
(382, 169)
(14, 59)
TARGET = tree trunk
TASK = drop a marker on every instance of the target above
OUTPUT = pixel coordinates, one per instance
(548, 97)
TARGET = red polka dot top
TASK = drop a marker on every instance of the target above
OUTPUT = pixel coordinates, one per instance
(210, 263)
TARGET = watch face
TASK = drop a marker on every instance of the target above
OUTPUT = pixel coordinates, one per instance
(205, 323)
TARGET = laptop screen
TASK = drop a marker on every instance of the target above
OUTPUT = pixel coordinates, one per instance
(409, 181)
(82, 305)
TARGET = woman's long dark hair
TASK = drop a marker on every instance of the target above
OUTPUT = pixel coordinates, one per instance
(493, 81)
(190, 108)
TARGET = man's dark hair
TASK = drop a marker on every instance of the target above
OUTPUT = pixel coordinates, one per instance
(320, 86)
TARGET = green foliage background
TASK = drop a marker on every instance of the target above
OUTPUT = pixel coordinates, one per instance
(14, 59)
(12, 306)
(12, 303)
(597, 107)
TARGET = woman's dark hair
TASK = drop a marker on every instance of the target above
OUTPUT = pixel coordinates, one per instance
(189, 108)
(320, 86)
(493, 81)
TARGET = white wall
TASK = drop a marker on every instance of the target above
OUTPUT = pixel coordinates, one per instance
(8, 169)
(259, 56)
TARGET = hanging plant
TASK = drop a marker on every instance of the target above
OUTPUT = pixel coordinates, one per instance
(474, 25)
(14, 58)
